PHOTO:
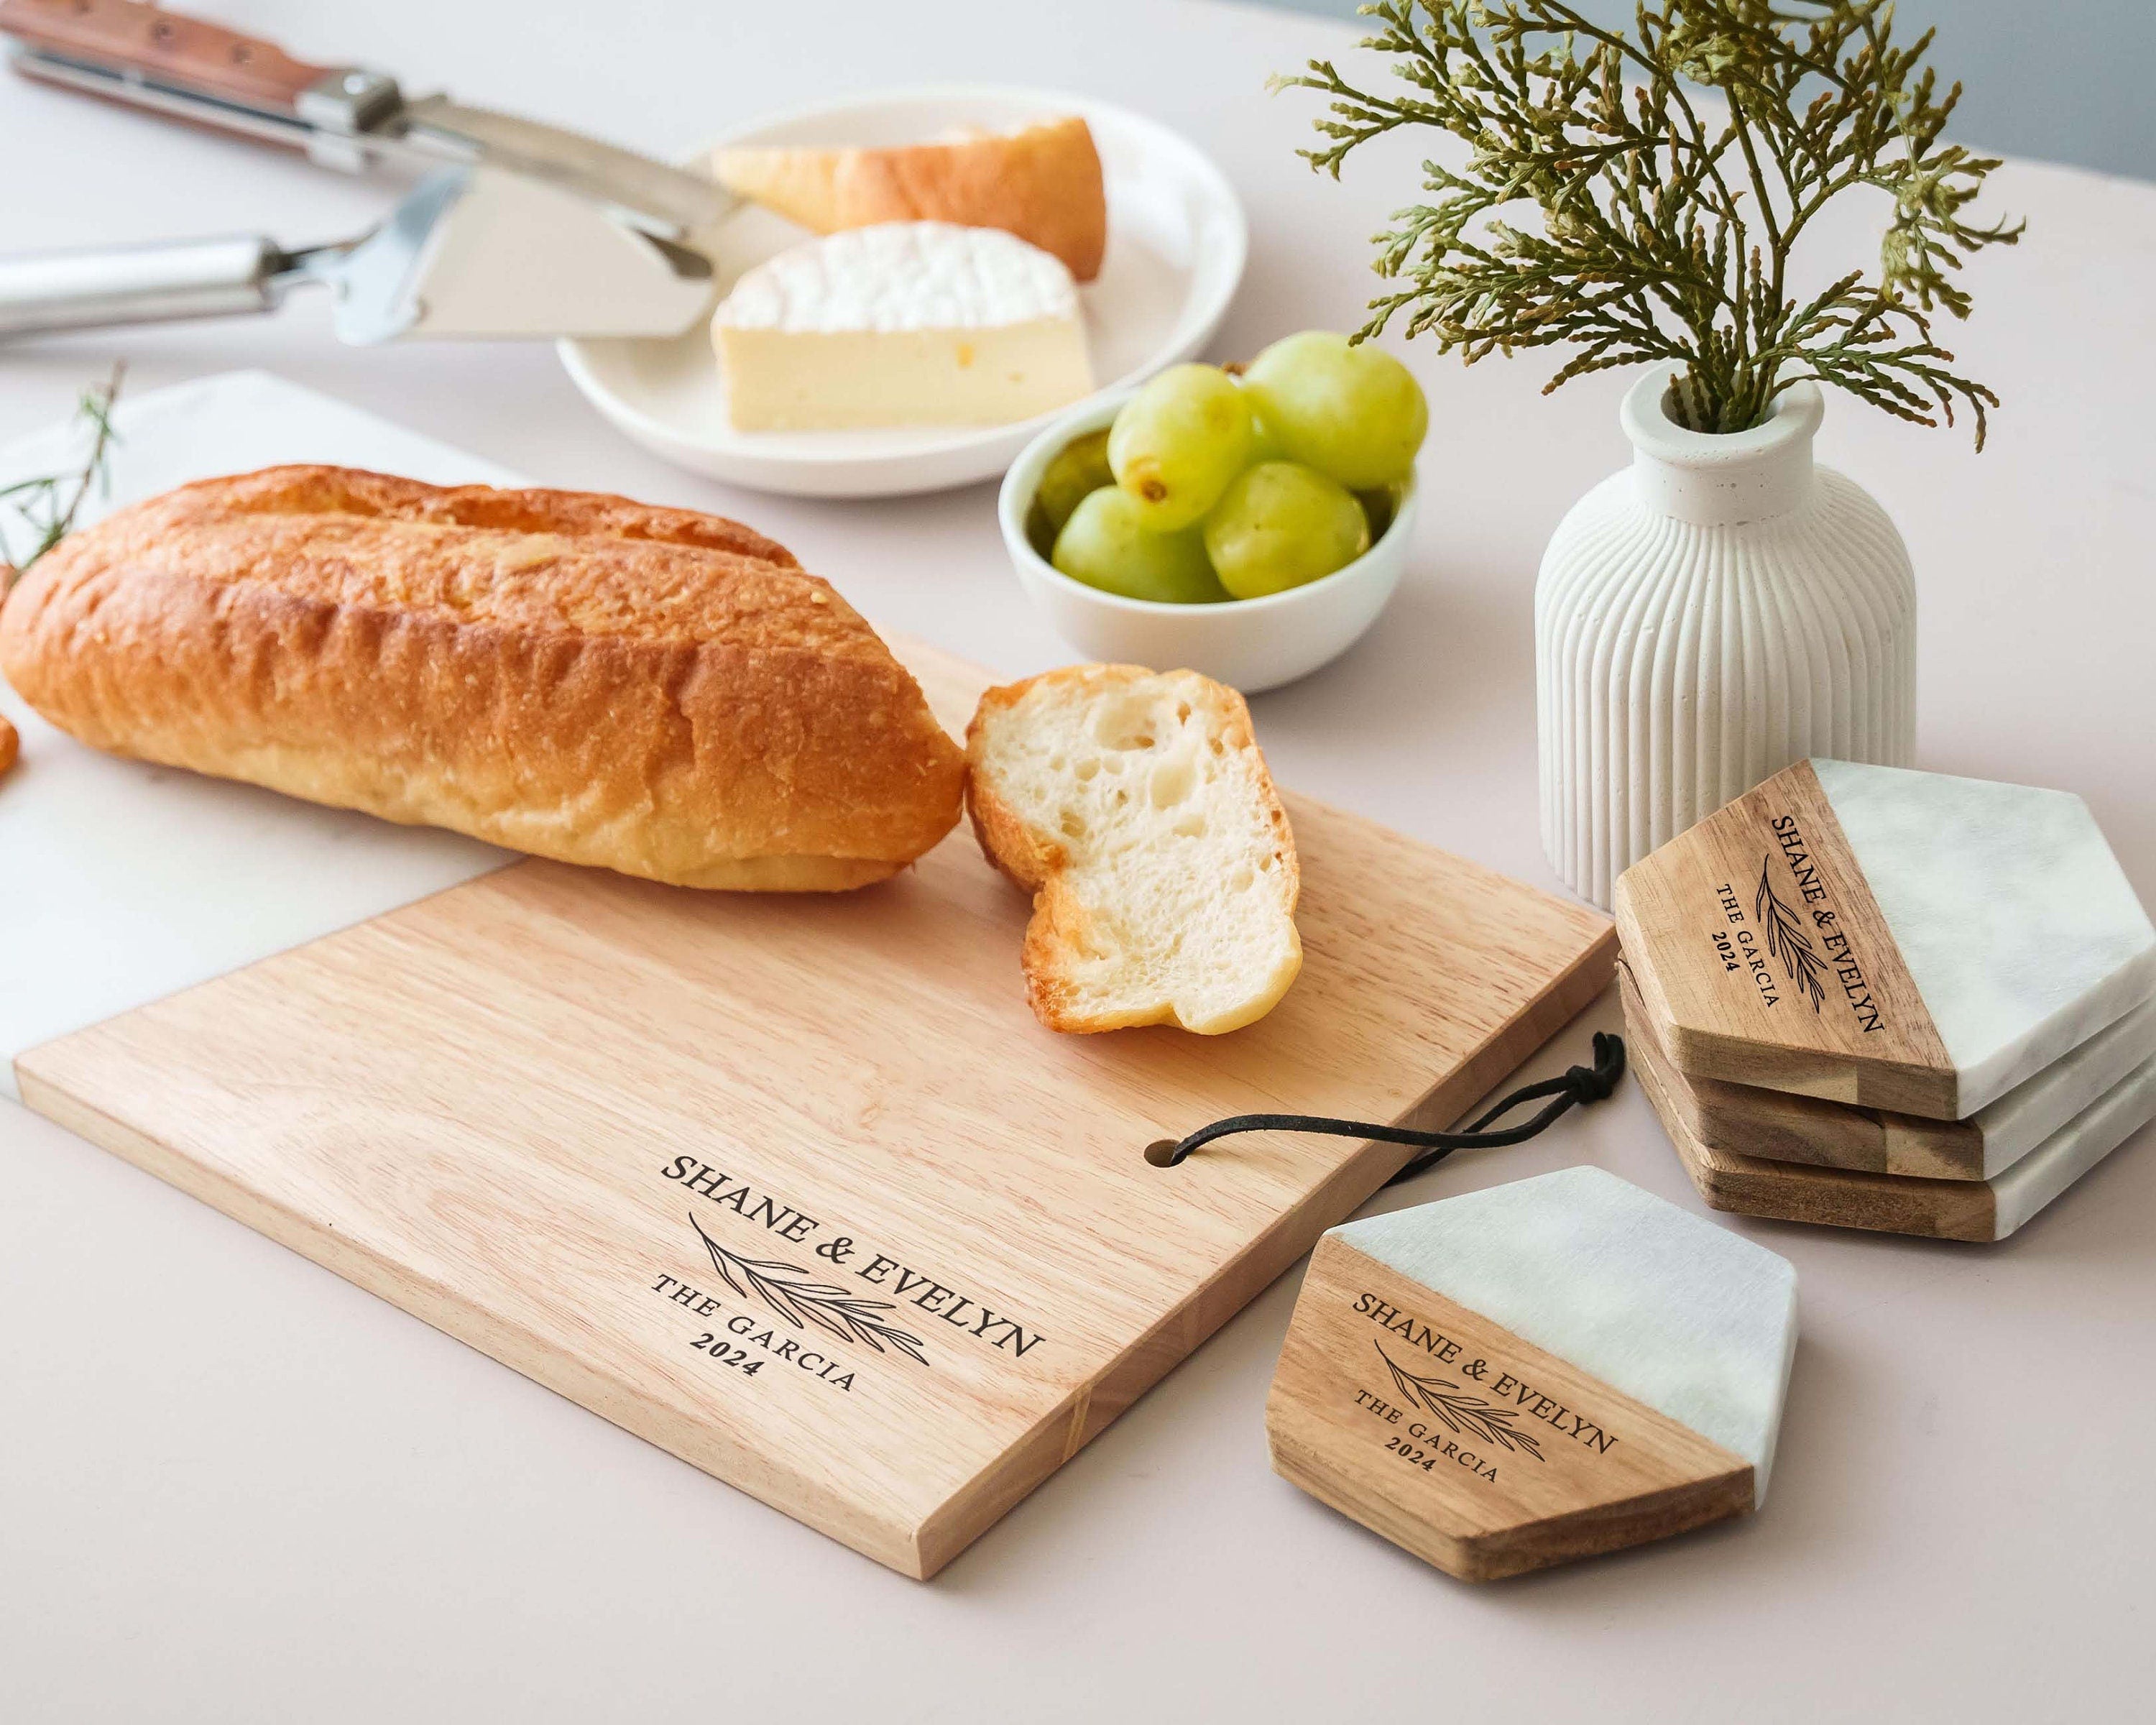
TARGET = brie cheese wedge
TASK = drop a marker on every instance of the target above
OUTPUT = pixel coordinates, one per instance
(906, 323)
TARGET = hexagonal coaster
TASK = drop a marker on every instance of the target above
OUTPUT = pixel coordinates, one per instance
(1875, 935)
(1534, 1373)
(1779, 1125)
(1893, 1203)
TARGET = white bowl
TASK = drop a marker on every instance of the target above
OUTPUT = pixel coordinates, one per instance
(1177, 243)
(1250, 645)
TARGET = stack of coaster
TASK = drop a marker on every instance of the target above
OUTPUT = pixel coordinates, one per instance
(1534, 1373)
(1878, 998)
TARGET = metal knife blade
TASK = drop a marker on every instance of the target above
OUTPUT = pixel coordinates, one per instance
(670, 202)
(377, 277)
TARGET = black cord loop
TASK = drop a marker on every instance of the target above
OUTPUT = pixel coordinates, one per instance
(1576, 1084)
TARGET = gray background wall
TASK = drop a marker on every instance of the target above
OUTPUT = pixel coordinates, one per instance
(2066, 80)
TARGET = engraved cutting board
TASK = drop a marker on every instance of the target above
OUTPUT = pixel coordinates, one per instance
(796, 1187)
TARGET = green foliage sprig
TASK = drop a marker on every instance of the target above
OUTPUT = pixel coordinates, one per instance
(1668, 224)
(48, 504)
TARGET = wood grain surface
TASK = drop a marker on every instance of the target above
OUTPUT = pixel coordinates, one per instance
(1822, 1005)
(1786, 1192)
(1781, 1126)
(600, 1128)
(1532, 1461)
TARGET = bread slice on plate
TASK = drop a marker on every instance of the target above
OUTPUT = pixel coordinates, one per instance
(1041, 182)
(1137, 808)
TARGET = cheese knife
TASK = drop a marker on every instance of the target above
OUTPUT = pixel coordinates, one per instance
(347, 117)
(472, 251)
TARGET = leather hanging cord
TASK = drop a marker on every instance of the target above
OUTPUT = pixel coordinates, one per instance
(1577, 1084)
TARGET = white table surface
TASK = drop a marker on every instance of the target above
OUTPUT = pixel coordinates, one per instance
(232, 1487)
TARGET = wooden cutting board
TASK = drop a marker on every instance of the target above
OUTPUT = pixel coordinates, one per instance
(795, 1187)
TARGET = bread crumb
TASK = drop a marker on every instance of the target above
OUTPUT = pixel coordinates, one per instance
(10, 746)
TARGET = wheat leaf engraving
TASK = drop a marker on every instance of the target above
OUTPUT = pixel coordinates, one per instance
(796, 1295)
(1464, 1415)
(1786, 939)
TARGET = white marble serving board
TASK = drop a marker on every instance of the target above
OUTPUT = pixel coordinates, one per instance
(121, 882)
(1695, 1322)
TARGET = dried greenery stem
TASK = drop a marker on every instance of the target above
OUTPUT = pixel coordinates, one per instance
(1670, 224)
(48, 505)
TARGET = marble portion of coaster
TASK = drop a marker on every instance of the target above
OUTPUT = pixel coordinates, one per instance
(1677, 1313)
(2015, 919)
(2074, 1149)
(2038, 1106)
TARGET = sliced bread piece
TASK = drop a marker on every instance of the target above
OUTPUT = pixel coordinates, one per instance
(1137, 808)
(1041, 182)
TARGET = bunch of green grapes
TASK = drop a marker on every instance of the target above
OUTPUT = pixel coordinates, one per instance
(1208, 488)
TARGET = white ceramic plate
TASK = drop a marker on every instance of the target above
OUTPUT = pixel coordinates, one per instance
(1177, 242)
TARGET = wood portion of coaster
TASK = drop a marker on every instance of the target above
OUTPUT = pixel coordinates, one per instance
(1469, 1447)
(1763, 959)
(1786, 1192)
(1780, 1126)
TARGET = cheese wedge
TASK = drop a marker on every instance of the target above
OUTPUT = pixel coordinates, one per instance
(909, 323)
(1041, 182)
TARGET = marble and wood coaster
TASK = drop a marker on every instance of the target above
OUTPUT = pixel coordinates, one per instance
(1985, 1209)
(1534, 1373)
(1779, 1125)
(1893, 939)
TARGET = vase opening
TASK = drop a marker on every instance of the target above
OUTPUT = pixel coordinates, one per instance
(1714, 479)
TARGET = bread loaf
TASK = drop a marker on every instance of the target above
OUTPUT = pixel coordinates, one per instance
(579, 676)
(1041, 181)
(1137, 810)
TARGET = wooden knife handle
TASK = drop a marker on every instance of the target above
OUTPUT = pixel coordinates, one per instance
(146, 38)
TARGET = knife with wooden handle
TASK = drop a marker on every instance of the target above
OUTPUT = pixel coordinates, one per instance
(343, 117)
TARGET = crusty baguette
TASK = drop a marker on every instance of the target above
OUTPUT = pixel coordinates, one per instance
(1041, 182)
(1137, 810)
(580, 676)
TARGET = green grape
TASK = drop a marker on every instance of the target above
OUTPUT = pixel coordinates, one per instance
(1380, 506)
(1280, 524)
(1349, 410)
(1079, 468)
(1178, 442)
(1265, 446)
(1107, 544)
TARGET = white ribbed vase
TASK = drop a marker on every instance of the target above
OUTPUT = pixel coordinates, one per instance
(1719, 609)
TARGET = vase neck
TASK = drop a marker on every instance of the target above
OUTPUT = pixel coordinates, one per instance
(1718, 479)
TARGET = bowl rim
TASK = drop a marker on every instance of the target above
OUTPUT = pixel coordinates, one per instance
(1091, 416)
